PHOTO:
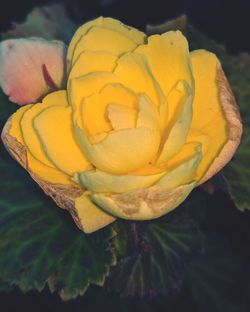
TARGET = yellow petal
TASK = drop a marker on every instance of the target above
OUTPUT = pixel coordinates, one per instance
(164, 115)
(206, 102)
(148, 115)
(143, 204)
(214, 138)
(130, 33)
(187, 152)
(92, 218)
(29, 134)
(55, 130)
(93, 115)
(102, 39)
(15, 129)
(80, 88)
(102, 182)
(47, 173)
(183, 173)
(92, 61)
(177, 133)
(168, 58)
(121, 117)
(119, 94)
(208, 117)
(81, 31)
(135, 74)
(234, 126)
(121, 151)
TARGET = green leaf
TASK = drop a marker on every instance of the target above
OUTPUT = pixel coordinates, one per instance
(39, 243)
(238, 173)
(153, 255)
(49, 22)
(215, 278)
(237, 69)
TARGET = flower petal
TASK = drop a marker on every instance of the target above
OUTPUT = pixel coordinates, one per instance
(80, 88)
(177, 132)
(143, 204)
(134, 73)
(55, 131)
(109, 24)
(148, 115)
(30, 68)
(121, 116)
(97, 110)
(47, 173)
(30, 137)
(93, 115)
(102, 182)
(183, 173)
(215, 114)
(121, 151)
(102, 39)
(168, 58)
(91, 217)
(119, 94)
(206, 105)
(92, 61)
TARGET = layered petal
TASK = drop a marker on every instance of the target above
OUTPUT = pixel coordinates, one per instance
(148, 114)
(134, 73)
(47, 173)
(208, 115)
(149, 196)
(92, 61)
(90, 216)
(55, 130)
(177, 130)
(31, 68)
(92, 115)
(143, 204)
(119, 94)
(103, 182)
(207, 102)
(121, 151)
(80, 88)
(168, 58)
(184, 173)
(121, 116)
(106, 40)
(30, 137)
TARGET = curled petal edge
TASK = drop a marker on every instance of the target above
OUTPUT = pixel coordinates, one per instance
(235, 128)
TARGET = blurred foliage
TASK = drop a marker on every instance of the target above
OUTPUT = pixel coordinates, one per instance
(48, 22)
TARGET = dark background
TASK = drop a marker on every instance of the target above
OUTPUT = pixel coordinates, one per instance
(227, 21)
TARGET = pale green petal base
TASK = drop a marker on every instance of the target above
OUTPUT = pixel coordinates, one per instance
(143, 204)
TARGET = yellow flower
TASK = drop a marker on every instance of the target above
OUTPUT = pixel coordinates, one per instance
(141, 123)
